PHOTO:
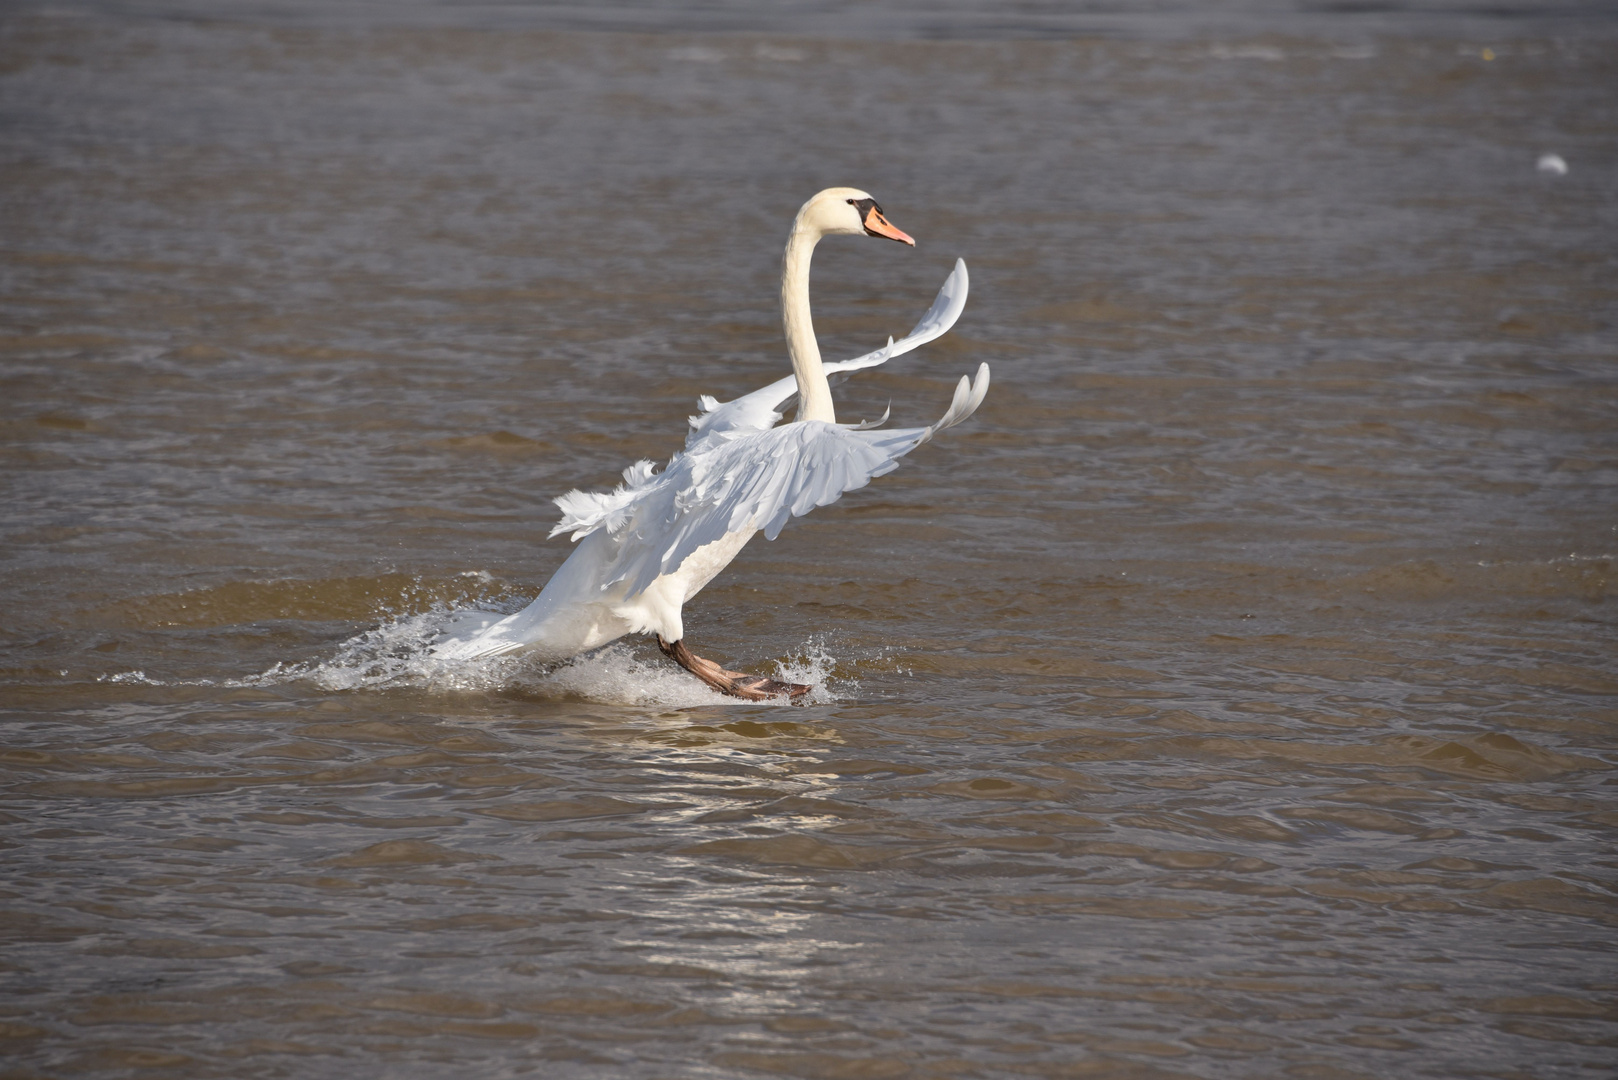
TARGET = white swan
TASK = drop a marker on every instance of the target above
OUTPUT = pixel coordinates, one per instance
(654, 542)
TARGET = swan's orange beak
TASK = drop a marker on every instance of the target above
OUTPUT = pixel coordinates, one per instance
(877, 225)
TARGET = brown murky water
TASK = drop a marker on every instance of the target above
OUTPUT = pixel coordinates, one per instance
(1233, 697)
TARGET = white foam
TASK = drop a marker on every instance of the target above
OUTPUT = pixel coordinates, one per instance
(136, 677)
(397, 654)
(616, 675)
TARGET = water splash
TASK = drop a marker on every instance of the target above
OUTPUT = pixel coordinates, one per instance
(614, 675)
(814, 666)
(397, 655)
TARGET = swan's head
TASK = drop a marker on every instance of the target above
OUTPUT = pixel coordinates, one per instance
(847, 211)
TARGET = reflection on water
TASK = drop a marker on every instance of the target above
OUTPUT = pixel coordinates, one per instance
(1233, 697)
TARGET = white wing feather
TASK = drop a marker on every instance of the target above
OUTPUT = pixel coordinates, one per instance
(739, 473)
(760, 410)
(757, 480)
(947, 307)
(583, 512)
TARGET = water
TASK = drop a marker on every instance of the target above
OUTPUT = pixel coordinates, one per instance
(1233, 696)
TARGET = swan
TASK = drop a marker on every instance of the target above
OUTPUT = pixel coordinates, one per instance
(649, 546)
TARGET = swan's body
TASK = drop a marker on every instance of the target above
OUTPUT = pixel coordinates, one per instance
(649, 546)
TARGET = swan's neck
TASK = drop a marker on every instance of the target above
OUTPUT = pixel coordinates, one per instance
(814, 392)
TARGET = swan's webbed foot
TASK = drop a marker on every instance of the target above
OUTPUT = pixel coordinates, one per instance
(734, 683)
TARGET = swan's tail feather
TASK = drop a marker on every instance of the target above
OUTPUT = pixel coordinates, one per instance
(471, 649)
(476, 635)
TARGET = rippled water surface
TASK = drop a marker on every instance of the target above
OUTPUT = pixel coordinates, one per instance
(1234, 696)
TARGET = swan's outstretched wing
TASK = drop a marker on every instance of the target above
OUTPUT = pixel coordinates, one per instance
(757, 480)
(947, 307)
(761, 409)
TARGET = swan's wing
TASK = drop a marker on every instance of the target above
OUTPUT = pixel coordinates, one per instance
(947, 307)
(760, 410)
(969, 394)
(583, 512)
(757, 411)
(762, 480)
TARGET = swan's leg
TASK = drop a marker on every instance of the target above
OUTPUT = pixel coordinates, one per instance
(734, 683)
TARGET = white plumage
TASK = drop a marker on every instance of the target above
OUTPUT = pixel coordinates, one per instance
(651, 544)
